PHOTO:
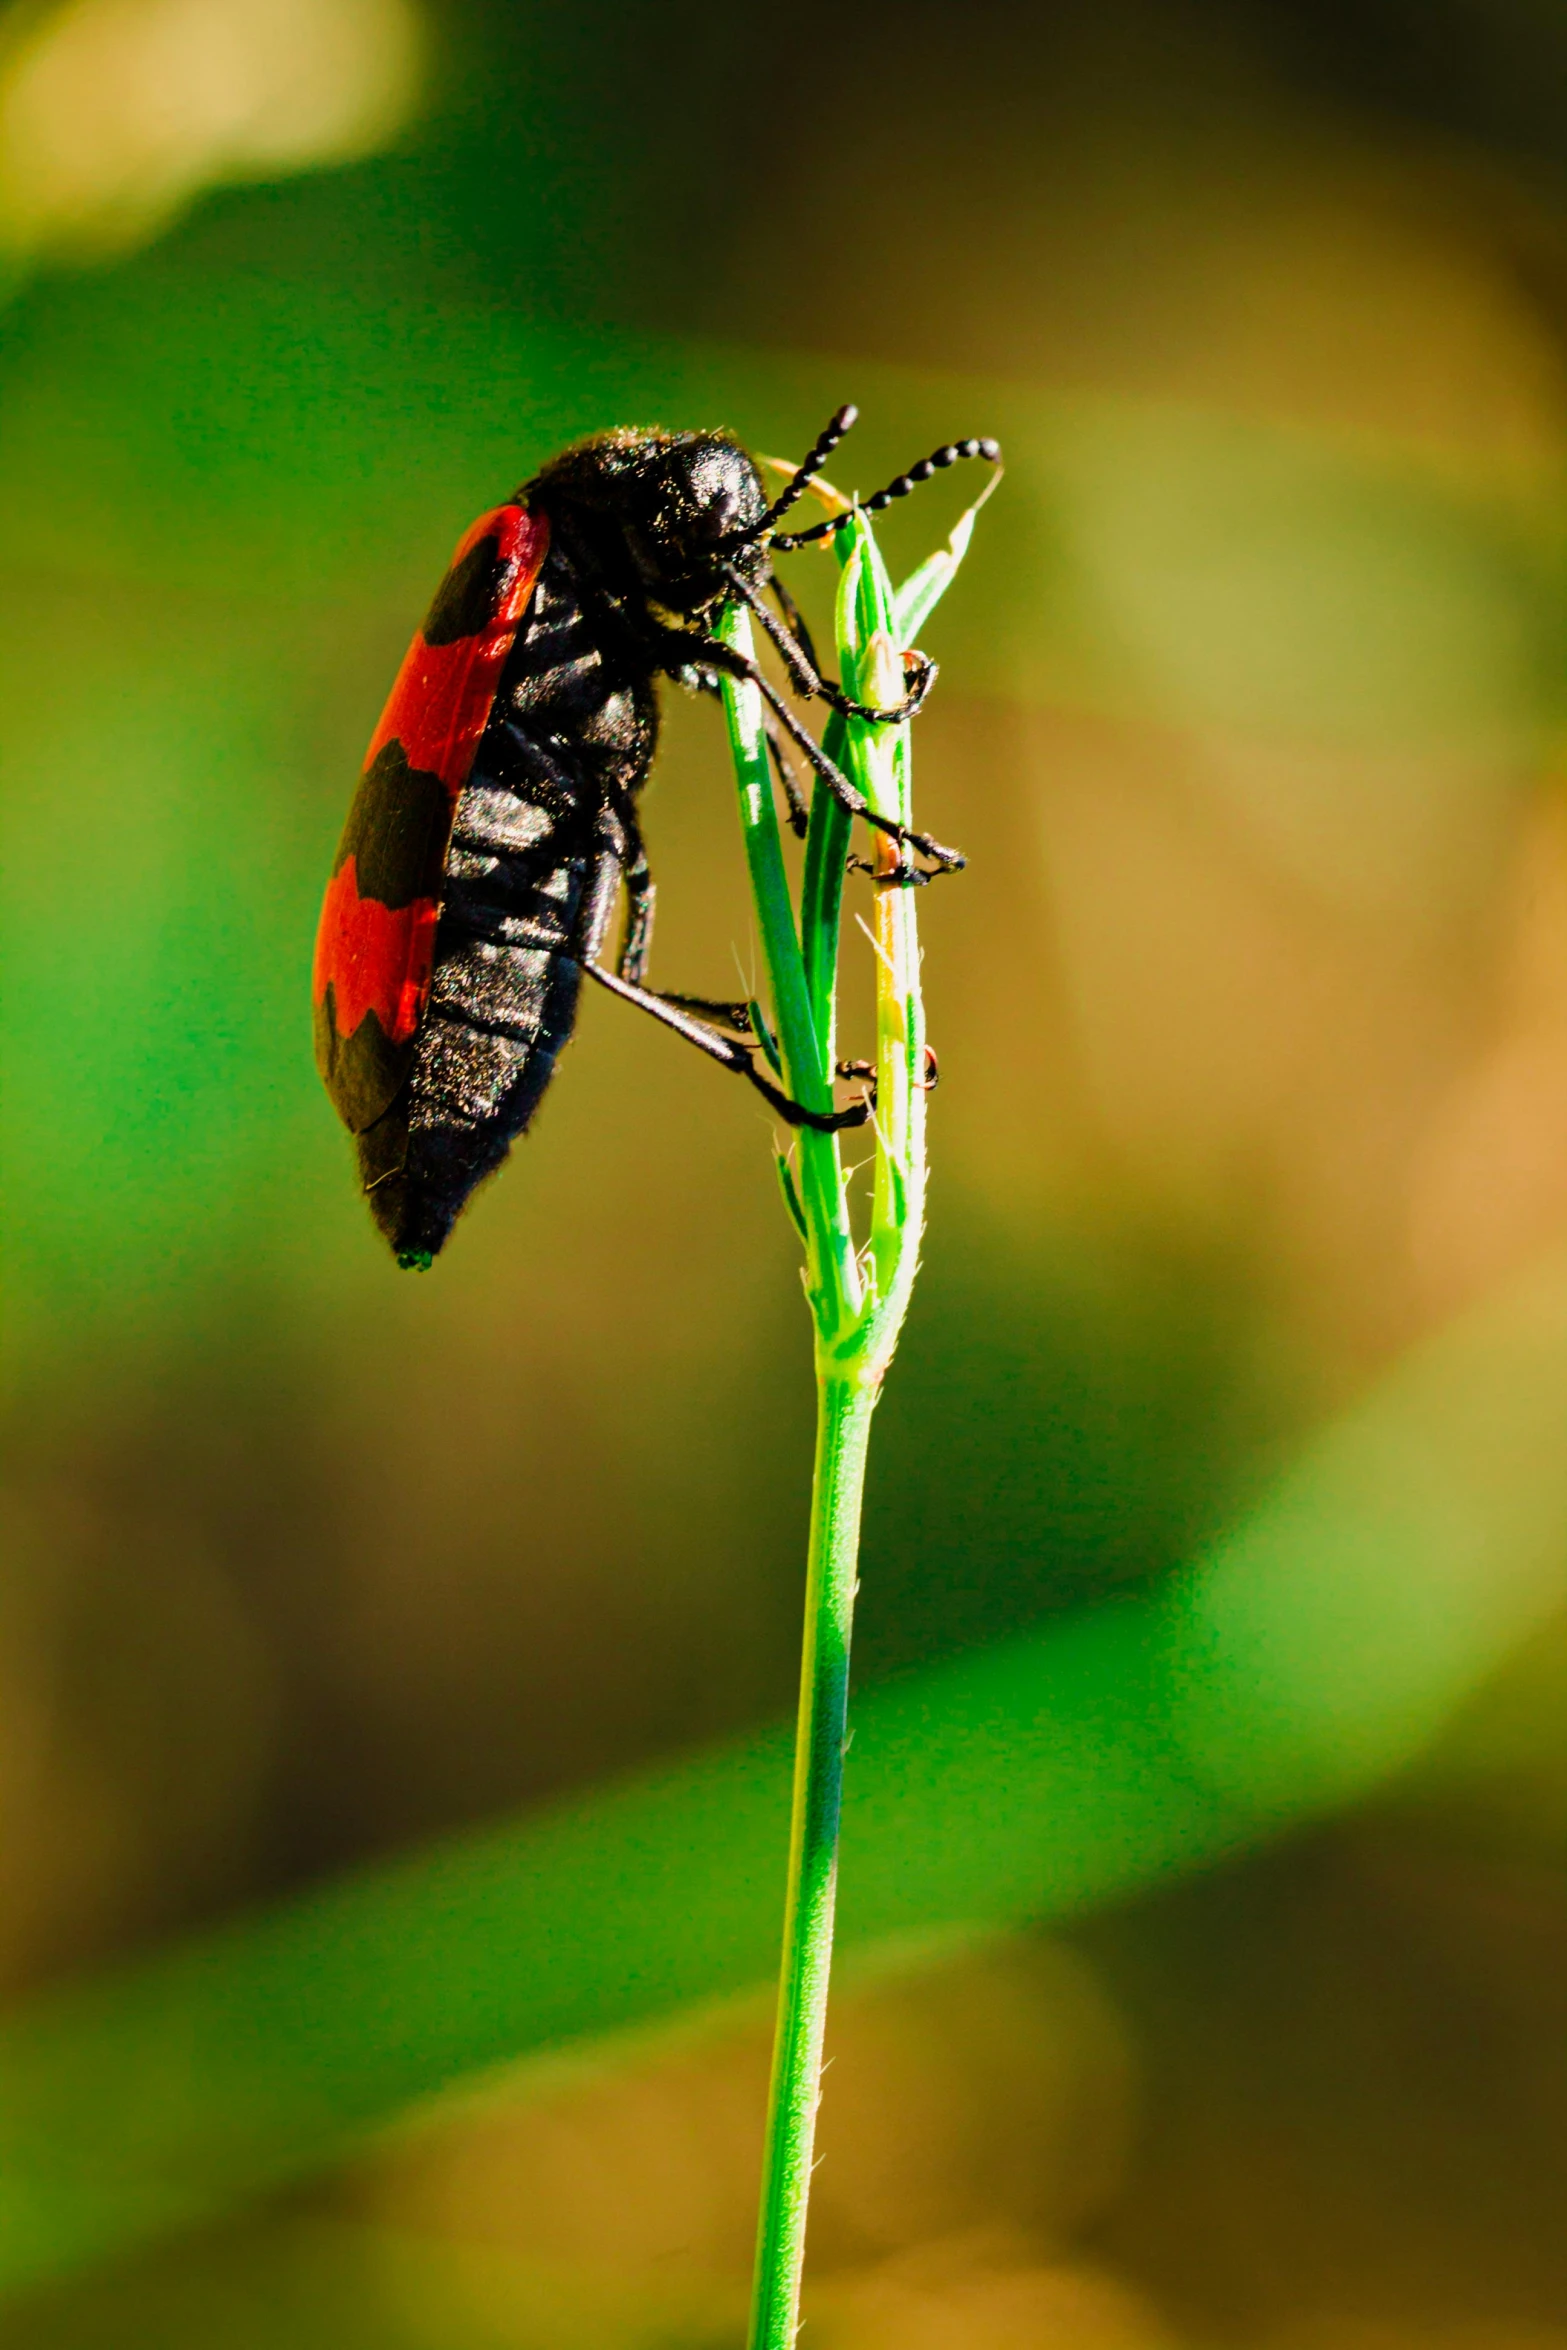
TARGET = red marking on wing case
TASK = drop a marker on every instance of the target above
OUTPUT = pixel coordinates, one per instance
(376, 958)
(441, 701)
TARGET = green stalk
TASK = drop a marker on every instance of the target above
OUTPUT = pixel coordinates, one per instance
(858, 1301)
(843, 1429)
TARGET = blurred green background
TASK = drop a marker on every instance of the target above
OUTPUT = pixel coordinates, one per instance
(380, 1968)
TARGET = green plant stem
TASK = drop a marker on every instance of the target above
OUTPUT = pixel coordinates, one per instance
(844, 1408)
(858, 1301)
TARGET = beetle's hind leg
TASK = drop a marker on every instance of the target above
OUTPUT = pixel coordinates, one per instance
(637, 943)
(619, 859)
(641, 898)
(730, 1054)
(630, 856)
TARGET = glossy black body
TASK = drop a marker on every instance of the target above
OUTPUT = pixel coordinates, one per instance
(545, 830)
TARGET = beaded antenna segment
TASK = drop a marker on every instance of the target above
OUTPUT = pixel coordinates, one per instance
(951, 453)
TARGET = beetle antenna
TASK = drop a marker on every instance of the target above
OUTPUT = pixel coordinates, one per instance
(936, 462)
(826, 441)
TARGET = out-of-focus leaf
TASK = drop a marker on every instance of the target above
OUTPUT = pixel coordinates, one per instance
(1316, 1649)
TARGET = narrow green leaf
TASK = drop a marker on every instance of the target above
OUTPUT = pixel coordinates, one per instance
(923, 590)
(821, 899)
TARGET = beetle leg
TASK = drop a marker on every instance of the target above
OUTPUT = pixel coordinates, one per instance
(795, 619)
(783, 765)
(706, 1007)
(631, 866)
(730, 1055)
(620, 834)
(808, 679)
(597, 909)
(641, 896)
(672, 650)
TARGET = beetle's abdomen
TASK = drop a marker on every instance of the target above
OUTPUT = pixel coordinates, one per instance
(530, 872)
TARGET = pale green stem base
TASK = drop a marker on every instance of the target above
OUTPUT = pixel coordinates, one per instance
(844, 1409)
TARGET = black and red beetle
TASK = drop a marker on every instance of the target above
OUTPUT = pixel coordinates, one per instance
(495, 822)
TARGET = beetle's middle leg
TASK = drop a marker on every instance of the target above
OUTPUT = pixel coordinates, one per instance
(729, 1053)
(641, 899)
(623, 857)
(622, 832)
(632, 868)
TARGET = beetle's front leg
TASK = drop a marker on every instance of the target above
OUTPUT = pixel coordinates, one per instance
(807, 675)
(673, 651)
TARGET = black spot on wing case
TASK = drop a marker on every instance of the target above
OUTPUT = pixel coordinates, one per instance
(364, 1073)
(468, 597)
(397, 833)
(397, 830)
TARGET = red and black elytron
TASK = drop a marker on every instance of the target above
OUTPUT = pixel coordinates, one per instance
(495, 822)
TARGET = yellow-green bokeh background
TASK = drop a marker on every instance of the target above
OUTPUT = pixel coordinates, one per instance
(1252, 1011)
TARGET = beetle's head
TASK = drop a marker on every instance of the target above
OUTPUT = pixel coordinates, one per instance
(697, 504)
